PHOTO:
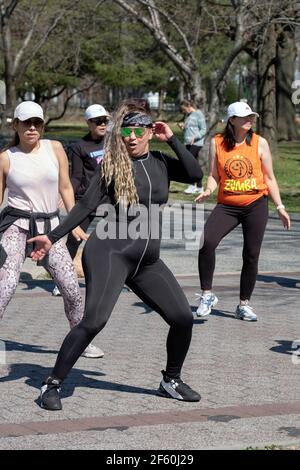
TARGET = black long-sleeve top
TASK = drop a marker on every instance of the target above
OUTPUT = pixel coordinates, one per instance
(85, 156)
(152, 174)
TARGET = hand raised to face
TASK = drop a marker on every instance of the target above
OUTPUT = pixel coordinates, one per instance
(162, 131)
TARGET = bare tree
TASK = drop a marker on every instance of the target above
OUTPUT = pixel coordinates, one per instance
(285, 72)
(266, 89)
(250, 26)
(68, 96)
(187, 63)
(41, 21)
(273, 50)
(233, 20)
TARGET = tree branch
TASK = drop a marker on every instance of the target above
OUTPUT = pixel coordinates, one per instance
(27, 39)
(66, 103)
(151, 5)
(45, 37)
(6, 12)
(55, 95)
(159, 35)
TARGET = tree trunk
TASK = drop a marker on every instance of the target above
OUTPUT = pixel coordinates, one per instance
(2, 106)
(285, 64)
(197, 92)
(266, 84)
(181, 92)
(160, 110)
(9, 79)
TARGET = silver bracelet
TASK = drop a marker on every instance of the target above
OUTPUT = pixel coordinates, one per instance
(280, 206)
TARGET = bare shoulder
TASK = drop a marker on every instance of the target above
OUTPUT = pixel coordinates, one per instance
(264, 149)
(3, 154)
(263, 142)
(4, 157)
(212, 146)
(59, 151)
(4, 162)
(56, 145)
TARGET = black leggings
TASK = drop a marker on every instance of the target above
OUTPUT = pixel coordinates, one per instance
(194, 150)
(222, 221)
(72, 244)
(107, 266)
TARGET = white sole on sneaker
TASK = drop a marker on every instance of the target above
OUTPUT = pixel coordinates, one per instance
(245, 313)
(201, 315)
(92, 356)
(245, 319)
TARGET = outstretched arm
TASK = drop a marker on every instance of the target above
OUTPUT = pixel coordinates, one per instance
(213, 177)
(271, 182)
(80, 211)
(4, 167)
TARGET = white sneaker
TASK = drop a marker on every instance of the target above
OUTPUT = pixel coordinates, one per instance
(245, 312)
(56, 292)
(92, 352)
(206, 303)
(190, 189)
(198, 190)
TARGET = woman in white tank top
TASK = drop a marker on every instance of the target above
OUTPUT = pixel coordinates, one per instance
(36, 174)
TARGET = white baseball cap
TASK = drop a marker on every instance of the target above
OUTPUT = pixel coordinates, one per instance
(27, 110)
(239, 109)
(94, 111)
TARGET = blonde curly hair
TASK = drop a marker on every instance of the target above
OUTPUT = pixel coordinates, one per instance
(117, 164)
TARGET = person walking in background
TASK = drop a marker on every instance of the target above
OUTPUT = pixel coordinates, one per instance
(131, 177)
(241, 166)
(194, 130)
(85, 156)
(35, 172)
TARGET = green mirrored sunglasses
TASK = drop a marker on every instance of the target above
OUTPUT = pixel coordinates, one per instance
(139, 131)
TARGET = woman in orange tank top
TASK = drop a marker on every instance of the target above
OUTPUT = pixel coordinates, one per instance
(241, 166)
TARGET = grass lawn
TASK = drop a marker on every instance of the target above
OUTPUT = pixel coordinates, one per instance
(286, 166)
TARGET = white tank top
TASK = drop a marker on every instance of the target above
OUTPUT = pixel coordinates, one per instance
(32, 182)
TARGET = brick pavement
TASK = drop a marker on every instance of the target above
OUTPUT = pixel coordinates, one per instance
(247, 373)
(244, 372)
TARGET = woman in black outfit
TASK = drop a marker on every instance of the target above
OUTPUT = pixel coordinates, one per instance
(130, 177)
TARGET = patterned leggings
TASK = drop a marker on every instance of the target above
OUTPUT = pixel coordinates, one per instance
(58, 263)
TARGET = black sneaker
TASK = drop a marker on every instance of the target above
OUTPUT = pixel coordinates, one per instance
(177, 389)
(49, 398)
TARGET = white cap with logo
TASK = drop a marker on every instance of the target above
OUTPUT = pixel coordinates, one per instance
(240, 109)
(27, 110)
(94, 111)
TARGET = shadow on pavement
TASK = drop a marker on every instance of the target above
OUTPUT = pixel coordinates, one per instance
(214, 313)
(31, 283)
(284, 347)
(46, 285)
(281, 281)
(31, 348)
(223, 313)
(34, 374)
(146, 308)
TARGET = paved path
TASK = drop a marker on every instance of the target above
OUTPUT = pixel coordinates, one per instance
(247, 373)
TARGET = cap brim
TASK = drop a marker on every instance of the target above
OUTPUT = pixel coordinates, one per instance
(244, 115)
(29, 116)
(97, 116)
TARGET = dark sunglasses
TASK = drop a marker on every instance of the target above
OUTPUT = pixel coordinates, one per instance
(36, 122)
(139, 131)
(100, 121)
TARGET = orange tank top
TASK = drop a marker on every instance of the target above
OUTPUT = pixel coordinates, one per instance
(241, 177)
